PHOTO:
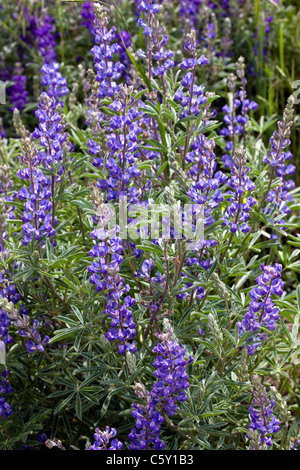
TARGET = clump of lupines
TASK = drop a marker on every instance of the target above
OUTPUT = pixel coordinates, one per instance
(262, 311)
(237, 214)
(102, 440)
(17, 92)
(166, 129)
(263, 422)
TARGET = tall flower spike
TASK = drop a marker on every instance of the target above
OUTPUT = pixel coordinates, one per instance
(262, 311)
(5, 388)
(237, 214)
(236, 115)
(156, 53)
(17, 92)
(40, 30)
(279, 197)
(171, 373)
(281, 137)
(263, 422)
(145, 434)
(108, 72)
(105, 275)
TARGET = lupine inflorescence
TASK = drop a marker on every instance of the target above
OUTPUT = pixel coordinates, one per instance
(237, 213)
(236, 115)
(22, 322)
(5, 388)
(170, 387)
(280, 196)
(39, 216)
(106, 277)
(263, 422)
(262, 311)
(17, 92)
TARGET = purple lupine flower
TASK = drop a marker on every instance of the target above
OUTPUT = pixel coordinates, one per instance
(42, 29)
(37, 215)
(191, 96)
(105, 276)
(54, 81)
(263, 422)
(159, 58)
(277, 157)
(8, 290)
(5, 388)
(262, 311)
(236, 116)
(145, 434)
(124, 39)
(102, 439)
(36, 343)
(88, 16)
(189, 11)
(205, 191)
(49, 132)
(171, 373)
(237, 213)
(4, 325)
(22, 322)
(39, 209)
(121, 165)
(17, 92)
(107, 71)
(169, 389)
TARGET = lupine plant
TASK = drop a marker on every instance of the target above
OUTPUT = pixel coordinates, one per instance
(149, 216)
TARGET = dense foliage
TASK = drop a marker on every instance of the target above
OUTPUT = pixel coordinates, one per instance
(149, 225)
